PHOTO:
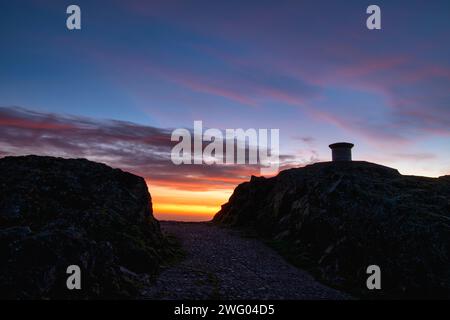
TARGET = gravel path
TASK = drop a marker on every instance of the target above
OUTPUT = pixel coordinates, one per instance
(220, 264)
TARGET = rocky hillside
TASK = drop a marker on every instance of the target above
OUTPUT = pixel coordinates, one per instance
(338, 218)
(55, 213)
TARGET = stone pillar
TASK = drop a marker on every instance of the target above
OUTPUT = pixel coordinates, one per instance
(341, 151)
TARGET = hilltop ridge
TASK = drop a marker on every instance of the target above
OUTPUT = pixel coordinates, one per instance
(337, 218)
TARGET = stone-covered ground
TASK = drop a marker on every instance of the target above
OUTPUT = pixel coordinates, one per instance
(221, 264)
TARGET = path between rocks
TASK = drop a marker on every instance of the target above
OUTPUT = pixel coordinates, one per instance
(220, 264)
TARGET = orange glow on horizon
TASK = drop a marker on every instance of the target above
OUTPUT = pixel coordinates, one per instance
(171, 203)
(201, 184)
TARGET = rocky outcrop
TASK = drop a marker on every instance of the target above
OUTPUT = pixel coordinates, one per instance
(56, 212)
(337, 218)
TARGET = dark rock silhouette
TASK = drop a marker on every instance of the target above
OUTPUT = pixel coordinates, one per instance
(56, 212)
(337, 218)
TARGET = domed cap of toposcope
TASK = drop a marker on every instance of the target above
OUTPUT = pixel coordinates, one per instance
(341, 145)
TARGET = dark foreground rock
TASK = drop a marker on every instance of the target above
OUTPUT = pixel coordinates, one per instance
(56, 212)
(339, 218)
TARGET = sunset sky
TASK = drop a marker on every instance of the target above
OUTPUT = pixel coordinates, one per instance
(114, 91)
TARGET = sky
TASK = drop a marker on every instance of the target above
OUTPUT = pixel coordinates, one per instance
(116, 89)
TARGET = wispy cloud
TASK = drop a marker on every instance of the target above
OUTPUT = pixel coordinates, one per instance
(143, 150)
